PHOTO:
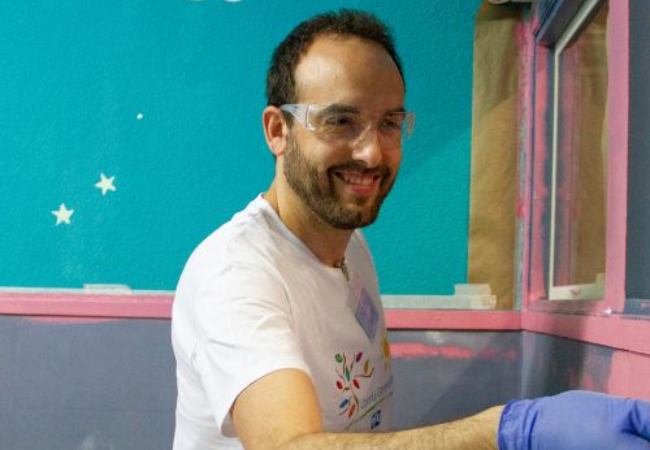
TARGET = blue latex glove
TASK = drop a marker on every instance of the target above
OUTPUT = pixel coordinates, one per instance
(575, 420)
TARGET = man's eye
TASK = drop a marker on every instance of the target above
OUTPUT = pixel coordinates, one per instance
(392, 123)
(338, 121)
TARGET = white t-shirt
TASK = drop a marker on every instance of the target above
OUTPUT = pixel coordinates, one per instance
(254, 299)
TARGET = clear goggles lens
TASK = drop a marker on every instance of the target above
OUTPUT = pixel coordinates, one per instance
(345, 125)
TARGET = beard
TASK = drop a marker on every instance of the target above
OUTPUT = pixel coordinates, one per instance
(322, 198)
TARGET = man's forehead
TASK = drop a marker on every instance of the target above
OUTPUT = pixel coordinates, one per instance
(331, 53)
(339, 67)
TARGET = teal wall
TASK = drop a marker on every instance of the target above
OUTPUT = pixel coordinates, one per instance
(75, 75)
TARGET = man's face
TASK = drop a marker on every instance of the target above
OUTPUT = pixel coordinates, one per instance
(320, 190)
(344, 184)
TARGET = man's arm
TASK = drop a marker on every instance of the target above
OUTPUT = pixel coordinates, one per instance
(280, 411)
(477, 432)
(276, 409)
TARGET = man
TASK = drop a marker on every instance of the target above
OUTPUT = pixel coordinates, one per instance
(278, 329)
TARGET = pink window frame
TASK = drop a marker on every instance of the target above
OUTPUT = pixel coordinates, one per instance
(534, 291)
(603, 321)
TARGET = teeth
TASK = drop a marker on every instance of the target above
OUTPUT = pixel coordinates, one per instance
(358, 179)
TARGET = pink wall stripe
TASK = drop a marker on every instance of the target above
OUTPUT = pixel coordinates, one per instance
(417, 350)
(144, 306)
(399, 319)
(158, 306)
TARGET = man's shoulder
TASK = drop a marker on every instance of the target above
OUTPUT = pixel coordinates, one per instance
(248, 237)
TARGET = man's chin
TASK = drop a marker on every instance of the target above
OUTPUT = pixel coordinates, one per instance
(359, 216)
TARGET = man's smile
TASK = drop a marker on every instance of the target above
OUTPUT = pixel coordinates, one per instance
(358, 183)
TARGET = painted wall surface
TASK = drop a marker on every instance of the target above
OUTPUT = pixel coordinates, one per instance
(446, 375)
(164, 99)
(76, 385)
(104, 385)
(101, 383)
(553, 364)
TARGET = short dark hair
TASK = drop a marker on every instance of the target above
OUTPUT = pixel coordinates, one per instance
(280, 81)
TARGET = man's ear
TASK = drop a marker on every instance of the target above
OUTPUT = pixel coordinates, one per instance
(275, 130)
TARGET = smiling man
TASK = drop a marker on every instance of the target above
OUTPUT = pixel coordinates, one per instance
(277, 326)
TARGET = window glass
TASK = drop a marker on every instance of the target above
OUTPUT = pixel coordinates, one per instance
(579, 208)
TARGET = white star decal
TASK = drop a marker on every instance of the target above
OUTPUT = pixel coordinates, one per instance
(63, 214)
(105, 184)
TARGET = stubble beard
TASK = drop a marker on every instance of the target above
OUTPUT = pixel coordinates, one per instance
(323, 199)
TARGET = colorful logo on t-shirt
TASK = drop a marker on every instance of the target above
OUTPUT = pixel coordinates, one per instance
(351, 374)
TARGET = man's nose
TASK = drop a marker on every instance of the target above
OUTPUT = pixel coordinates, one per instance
(368, 148)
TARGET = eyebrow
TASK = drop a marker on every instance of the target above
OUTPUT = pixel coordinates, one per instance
(340, 108)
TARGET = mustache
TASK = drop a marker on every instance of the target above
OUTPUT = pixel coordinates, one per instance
(361, 168)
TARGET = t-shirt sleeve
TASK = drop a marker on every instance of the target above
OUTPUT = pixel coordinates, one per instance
(244, 331)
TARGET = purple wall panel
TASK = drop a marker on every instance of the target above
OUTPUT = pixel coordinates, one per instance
(445, 375)
(111, 384)
(67, 384)
(94, 385)
(553, 364)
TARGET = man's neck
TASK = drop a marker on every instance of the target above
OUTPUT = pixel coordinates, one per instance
(327, 243)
